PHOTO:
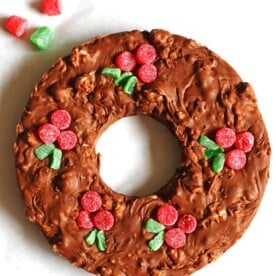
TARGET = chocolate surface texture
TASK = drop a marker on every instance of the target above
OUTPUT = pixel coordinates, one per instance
(196, 92)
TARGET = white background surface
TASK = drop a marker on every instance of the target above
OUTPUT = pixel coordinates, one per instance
(242, 32)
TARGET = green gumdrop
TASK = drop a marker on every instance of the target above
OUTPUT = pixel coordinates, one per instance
(44, 151)
(115, 73)
(91, 237)
(207, 142)
(157, 241)
(101, 243)
(56, 159)
(154, 226)
(218, 162)
(123, 78)
(209, 153)
(42, 37)
(130, 84)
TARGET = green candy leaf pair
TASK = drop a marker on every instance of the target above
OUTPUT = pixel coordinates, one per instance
(213, 151)
(157, 241)
(96, 235)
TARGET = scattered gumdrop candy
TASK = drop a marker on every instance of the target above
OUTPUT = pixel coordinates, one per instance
(187, 223)
(225, 137)
(91, 201)
(16, 25)
(175, 238)
(145, 54)
(147, 73)
(125, 61)
(235, 159)
(61, 119)
(84, 220)
(51, 7)
(67, 140)
(103, 220)
(167, 215)
(42, 37)
(48, 133)
(244, 141)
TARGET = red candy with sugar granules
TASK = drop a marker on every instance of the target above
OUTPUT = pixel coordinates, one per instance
(103, 220)
(91, 201)
(61, 119)
(125, 61)
(244, 141)
(147, 73)
(225, 137)
(175, 238)
(145, 54)
(187, 223)
(167, 215)
(48, 133)
(84, 220)
(235, 159)
(67, 140)
(51, 7)
(16, 25)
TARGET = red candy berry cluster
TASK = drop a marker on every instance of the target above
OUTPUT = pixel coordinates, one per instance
(91, 216)
(175, 236)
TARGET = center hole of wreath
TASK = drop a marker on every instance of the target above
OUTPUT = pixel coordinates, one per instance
(139, 155)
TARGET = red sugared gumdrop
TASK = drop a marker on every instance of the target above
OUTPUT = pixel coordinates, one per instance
(67, 140)
(51, 7)
(125, 61)
(235, 159)
(145, 54)
(147, 73)
(175, 238)
(244, 141)
(84, 220)
(61, 119)
(225, 137)
(187, 223)
(167, 215)
(103, 220)
(91, 201)
(16, 25)
(48, 133)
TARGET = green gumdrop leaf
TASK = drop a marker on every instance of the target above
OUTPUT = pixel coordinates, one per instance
(157, 241)
(101, 243)
(90, 238)
(44, 151)
(115, 73)
(130, 84)
(42, 37)
(209, 153)
(207, 142)
(218, 162)
(123, 78)
(56, 159)
(154, 226)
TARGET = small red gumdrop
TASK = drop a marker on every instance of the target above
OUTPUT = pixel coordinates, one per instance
(167, 215)
(145, 54)
(84, 220)
(103, 220)
(61, 119)
(175, 238)
(147, 73)
(187, 223)
(48, 133)
(225, 137)
(235, 159)
(67, 140)
(51, 7)
(125, 61)
(16, 25)
(91, 201)
(244, 141)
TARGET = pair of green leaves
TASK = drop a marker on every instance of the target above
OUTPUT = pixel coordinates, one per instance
(154, 226)
(214, 152)
(96, 235)
(126, 79)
